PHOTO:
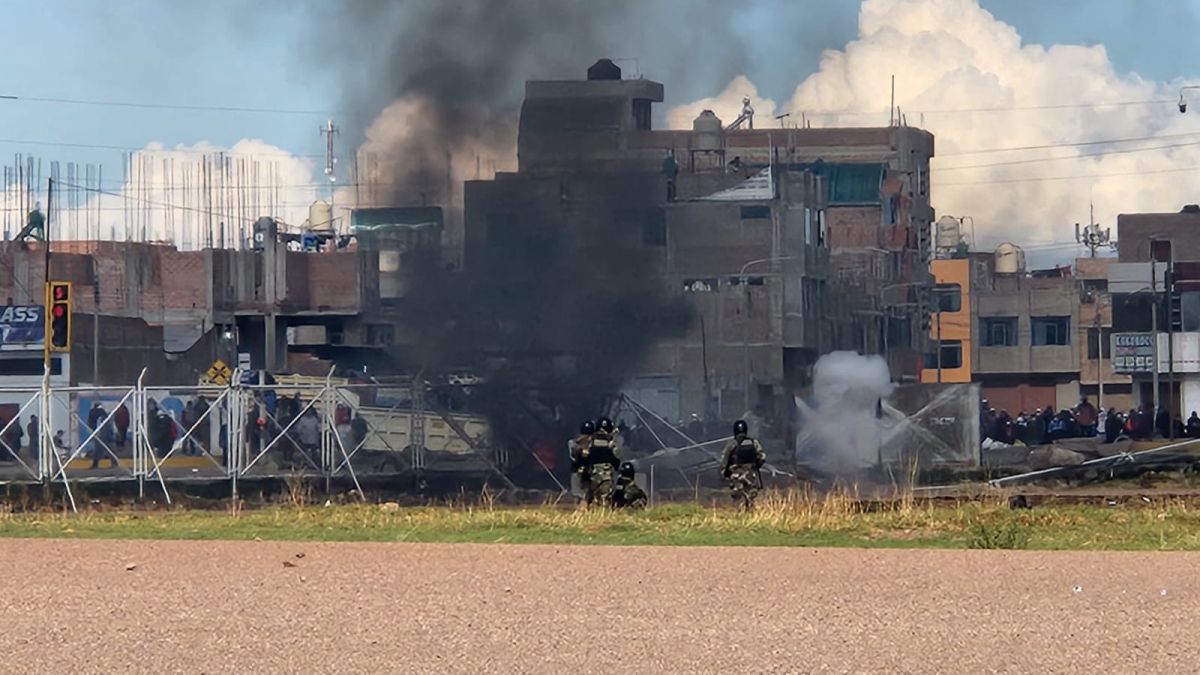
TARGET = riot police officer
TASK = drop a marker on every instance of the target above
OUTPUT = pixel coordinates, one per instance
(601, 462)
(580, 446)
(740, 465)
(628, 494)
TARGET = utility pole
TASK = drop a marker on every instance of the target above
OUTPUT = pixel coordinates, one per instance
(1170, 289)
(939, 344)
(46, 276)
(1099, 361)
(1154, 329)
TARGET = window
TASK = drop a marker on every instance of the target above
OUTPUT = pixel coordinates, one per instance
(947, 297)
(29, 366)
(809, 236)
(951, 353)
(998, 331)
(821, 227)
(641, 114)
(1051, 330)
(1160, 250)
(755, 212)
(654, 229)
(1189, 309)
(1098, 342)
(380, 334)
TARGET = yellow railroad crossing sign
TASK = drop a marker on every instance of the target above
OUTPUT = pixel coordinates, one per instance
(219, 373)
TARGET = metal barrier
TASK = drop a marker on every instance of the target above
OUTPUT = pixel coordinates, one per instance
(293, 427)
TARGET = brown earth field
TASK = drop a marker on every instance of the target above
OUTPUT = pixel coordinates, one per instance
(73, 606)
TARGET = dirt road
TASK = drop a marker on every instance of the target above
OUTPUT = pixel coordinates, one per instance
(223, 607)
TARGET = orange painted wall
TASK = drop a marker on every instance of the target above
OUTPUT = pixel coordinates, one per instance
(954, 325)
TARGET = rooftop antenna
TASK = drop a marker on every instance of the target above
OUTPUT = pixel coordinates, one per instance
(1092, 236)
(892, 105)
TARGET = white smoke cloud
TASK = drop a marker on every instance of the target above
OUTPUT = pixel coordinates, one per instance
(840, 434)
(950, 56)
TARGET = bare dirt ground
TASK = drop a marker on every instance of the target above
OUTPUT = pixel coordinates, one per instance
(226, 607)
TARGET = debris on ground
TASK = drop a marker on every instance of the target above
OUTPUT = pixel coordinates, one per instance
(389, 507)
(288, 563)
(130, 567)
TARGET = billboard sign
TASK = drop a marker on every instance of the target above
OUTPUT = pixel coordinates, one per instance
(21, 327)
(1133, 353)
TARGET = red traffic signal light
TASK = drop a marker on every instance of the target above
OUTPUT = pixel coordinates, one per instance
(58, 321)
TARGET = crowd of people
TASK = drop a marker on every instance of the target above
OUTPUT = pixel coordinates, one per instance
(1044, 425)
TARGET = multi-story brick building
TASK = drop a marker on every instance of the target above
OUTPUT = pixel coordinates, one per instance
(785, 243)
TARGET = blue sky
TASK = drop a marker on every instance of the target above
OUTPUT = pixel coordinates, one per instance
(260, 53)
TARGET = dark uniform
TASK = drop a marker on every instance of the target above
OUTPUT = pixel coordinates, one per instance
(627, 494)
(740, 464)
(601, 461)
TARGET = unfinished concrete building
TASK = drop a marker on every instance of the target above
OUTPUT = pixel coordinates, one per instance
(176, 312)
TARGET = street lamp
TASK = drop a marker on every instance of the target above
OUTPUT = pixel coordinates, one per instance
(743, 280)
(1182, 100)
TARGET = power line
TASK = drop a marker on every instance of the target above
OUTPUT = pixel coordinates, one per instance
(175, 106)
(125, 148)
(1105, 141)
(995, 109)
(1070, 177)
(148, 202)
(1036, 160)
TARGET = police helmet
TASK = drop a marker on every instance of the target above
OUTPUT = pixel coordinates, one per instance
(740, 428)
(605, 424)
(587, 428)
(627, 469)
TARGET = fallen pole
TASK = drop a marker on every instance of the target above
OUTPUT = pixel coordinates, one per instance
(1115, 459)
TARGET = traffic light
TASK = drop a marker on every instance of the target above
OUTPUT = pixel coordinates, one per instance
(58, 317)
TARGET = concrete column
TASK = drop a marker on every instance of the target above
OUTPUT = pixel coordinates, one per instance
(270, 340)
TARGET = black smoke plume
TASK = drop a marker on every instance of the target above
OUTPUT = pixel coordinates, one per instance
(557, 317)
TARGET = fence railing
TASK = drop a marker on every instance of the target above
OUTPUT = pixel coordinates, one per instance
(307, 427)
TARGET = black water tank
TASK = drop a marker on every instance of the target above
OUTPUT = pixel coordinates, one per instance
(604, 69)
(1190, 208)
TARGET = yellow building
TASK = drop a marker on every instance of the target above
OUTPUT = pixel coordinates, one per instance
(949, 359)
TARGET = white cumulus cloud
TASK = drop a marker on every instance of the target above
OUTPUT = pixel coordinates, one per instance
(971, 80)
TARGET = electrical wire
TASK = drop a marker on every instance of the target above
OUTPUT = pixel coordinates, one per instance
(996, 109)
(196, 151)
(1103, 141)
(1105, 153)
(175, 106)
(1038, 179)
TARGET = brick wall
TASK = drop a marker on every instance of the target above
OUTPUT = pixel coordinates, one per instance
(332, 281)
(853, 227)
(185, 280)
